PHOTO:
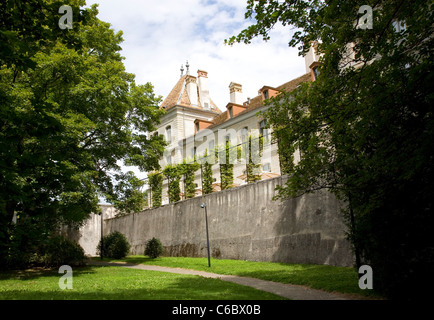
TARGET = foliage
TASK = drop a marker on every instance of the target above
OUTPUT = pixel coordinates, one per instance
(61, 251)
(206, 168)
(365, 127)
(21, 250)
(227, 156)
(69, 114)
(173, 175)
(115, 245)
(188, 169)
(156, 185)
(129, 198)
(253, 163)
(154, 248)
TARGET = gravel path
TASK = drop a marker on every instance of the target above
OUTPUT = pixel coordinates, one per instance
(290, 291)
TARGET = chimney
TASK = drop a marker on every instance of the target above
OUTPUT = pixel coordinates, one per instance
(191, 86)
(311, 56)
(202, 77)
(236, 93)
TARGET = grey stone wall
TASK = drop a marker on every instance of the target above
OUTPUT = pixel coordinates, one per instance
(244, 223)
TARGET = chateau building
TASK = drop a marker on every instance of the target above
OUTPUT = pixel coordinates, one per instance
(194, 124)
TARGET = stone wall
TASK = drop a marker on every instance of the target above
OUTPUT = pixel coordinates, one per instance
(244, 223)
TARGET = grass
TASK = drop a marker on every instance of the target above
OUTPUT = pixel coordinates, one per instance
(323, 277)
(101, 283)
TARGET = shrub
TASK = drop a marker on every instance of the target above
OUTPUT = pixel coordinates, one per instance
(154, 248)
(115, 245)
(59, 251)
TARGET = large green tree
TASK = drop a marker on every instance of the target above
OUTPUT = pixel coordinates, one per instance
(365, 127)
(70, 115)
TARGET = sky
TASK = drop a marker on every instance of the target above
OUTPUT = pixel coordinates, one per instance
(161, 35)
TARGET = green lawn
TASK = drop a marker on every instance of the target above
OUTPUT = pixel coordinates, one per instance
(90, 283)
(327, 278)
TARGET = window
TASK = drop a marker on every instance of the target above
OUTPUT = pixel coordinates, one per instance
(169, 159)
(265, 94)
(228, 138)
(231, 115)
(266, 167)
(193, 152)
(262, 127)
(315, 72)
(263, 131)
(169, 134)
(210, 146)
(197, 126)
(244, 134)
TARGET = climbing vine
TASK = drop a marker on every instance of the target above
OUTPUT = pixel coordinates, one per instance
(206, 169)
(188, 169)
(253, 163)
(156, 187)
(173, 175)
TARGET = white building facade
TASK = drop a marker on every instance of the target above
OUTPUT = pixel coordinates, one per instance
(193, 124)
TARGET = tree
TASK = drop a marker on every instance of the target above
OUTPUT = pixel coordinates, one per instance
(365, 127)
(70, 114)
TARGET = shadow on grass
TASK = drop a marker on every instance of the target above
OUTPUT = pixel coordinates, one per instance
(322, 277)
(326, 278)
(173, 287)
(35, 273)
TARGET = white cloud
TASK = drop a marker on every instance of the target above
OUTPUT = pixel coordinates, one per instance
(160, 35)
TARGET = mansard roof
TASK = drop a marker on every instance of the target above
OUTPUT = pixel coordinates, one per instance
(258, 101)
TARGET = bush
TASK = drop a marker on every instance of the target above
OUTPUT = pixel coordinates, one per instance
(115, 245)
(61, 251)
(154, 248)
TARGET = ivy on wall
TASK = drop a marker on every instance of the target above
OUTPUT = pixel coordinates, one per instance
(188, 169)
(253, 163)
(173, 175)
(206, 172)
(156, 187)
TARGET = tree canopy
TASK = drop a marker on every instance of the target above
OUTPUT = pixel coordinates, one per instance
(364, 127)
(70, 116)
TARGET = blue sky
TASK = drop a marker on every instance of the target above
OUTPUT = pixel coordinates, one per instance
(160, 35)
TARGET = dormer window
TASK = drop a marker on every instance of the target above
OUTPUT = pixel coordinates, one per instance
(315, 72)
(265, 94)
